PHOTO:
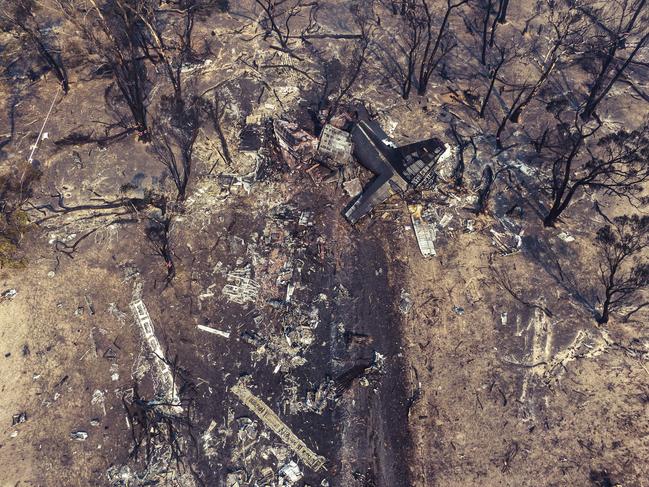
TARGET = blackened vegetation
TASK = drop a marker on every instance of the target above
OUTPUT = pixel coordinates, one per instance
(279, 19)
(337, 80)
(20, 18)
(158, 425)
(494, 67)
(15, 190)
(483, 22)
(567, 34)
(215, 109)
(426, 41)
(601, 478)
(334, 95)
(484, 191)
(82, 138)
(462, 143)
(624, 30)
(158, 232)
(539, 65)
(624, 273)
(115, 32)
(167, 36)
(173, 142)
(614, 163)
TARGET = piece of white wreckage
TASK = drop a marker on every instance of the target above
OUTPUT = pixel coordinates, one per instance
(270, 419)
(214, 331)
(167, 385)
(426, 233)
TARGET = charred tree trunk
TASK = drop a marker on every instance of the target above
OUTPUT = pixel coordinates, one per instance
(502, 13)
(503, 123)
(485, 190)
(430, 58)
(618, 38)
(600, 87)
(56, 65)
(562, 193)
(485, 30)
(492, 82)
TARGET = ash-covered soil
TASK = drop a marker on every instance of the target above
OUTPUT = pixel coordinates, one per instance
(483, 365)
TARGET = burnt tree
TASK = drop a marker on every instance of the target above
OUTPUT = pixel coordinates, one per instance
(351, 76)
(434, 52)
(279, 19)
(113, 31)
(502, 11)
(616, 163)
(173, 141)
(19, 18)
(215, 109)
(479, 22)
(421, 45)
(567, 32)
(484, 189)
(168, 35)
(503, 57)
(158, 233)
(337, 85)
(624, 26)
(623, 270)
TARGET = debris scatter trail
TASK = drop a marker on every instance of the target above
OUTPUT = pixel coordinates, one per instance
(348, 281)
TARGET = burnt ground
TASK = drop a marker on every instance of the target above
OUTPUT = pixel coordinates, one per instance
(347, 285)
(477, 388)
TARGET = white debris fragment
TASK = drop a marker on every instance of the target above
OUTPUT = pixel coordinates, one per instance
(424, 232)
(290, 289)
(566, 237)
(207, 439)
(508, 238)
(446, 219)
(113, 310)
(98, 399)
(114, 369)
(8, 294)
(379, 360)
(291, 472)
(270, 419)
(214, 331)
(405, 304)
(353, 187)
(241, 288)
(306, 219)
(79, 435)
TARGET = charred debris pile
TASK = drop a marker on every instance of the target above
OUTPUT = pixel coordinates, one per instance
(428, 181)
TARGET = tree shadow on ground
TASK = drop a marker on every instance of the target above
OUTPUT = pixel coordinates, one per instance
(541, 252)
